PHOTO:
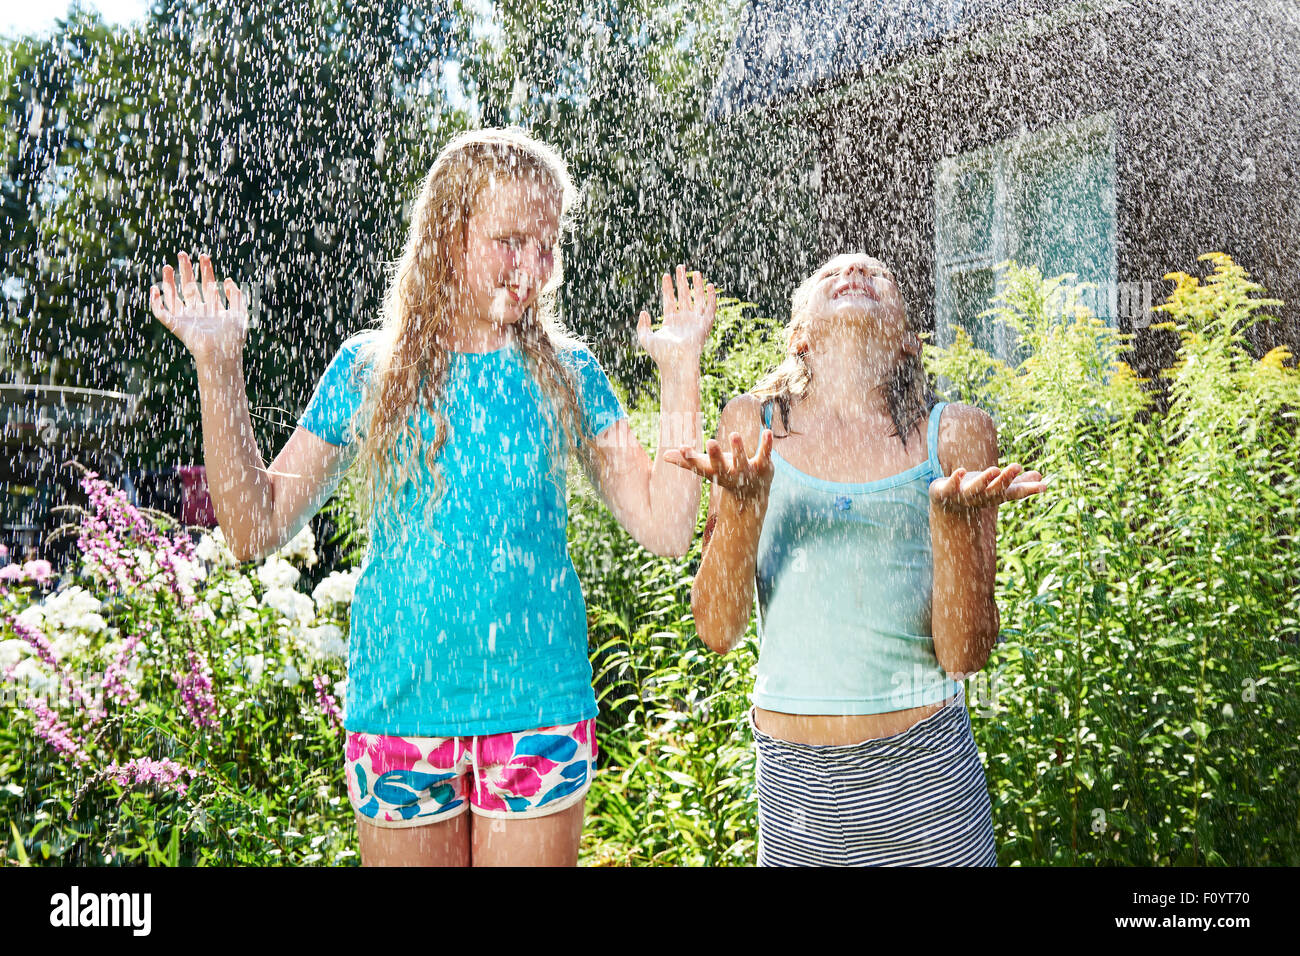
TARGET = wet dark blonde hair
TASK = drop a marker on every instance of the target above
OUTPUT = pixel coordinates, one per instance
(907, 391)
(408, 369)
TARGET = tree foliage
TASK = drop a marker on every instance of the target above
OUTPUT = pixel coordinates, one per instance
(279, 137)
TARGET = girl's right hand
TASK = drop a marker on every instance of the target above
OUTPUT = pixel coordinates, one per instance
(747, 479)
(196, 316)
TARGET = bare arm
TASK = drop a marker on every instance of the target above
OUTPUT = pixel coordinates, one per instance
(723, 592)
(655, 501)
(963, 535)
(258, 508)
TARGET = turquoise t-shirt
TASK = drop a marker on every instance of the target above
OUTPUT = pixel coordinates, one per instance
(473, 623)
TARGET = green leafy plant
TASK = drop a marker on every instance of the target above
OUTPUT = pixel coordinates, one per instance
(1139, 709)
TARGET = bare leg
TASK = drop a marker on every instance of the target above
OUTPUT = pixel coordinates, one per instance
(446, 843)
(551, 840)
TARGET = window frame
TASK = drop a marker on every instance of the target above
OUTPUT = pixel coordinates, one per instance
(1003, 158)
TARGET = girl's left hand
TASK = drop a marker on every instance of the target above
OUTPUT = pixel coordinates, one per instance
(992, 486)
(688, 318)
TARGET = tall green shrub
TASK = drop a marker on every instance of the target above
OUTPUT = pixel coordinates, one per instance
(1138, 708)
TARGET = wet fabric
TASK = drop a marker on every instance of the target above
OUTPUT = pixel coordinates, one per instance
(844, 578)
(475, 622)
(409, 781)
(918, 798)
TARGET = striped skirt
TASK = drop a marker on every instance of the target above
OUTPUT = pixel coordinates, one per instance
(917, 798)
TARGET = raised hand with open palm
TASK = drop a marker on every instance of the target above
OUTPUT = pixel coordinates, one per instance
(210, 328)
(688, 318)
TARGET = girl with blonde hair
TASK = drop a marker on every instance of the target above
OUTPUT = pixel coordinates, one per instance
(469, 684)
(871, 548)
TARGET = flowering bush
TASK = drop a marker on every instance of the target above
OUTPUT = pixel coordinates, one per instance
(162, 699)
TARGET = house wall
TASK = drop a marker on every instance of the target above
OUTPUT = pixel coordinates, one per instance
(1207, 111)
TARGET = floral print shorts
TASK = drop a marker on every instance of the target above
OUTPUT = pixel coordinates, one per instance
(409, 781)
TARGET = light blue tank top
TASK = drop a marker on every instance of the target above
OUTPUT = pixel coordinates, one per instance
(845, 574)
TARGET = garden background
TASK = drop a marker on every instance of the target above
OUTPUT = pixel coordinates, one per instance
(163, 704)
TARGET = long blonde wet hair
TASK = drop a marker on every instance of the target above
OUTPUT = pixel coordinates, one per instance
(408, 369)
(907, 390)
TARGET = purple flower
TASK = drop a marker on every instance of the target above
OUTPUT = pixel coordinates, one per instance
(56, 733)
(45, 652)
(37, 641)
(196, 693)
(114, 686)
(111, 532)
(159, 773)
(328, 704)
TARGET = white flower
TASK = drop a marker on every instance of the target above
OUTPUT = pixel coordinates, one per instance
(143, 560)
(94, 570)
(235, 630)
(69, 644)
(234, 594)
(110, 649)
(188, 572)
(29, 674)
(33, 616)
(337, 588)
(73, 608)
(294, 605)
(131, 671)
(289, 674)
(12, 651)
(323, 642)
(341, 696)
(278, 573)
(301, 547)
(213, 549)
(253, 665)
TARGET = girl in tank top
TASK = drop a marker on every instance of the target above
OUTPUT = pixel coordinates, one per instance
(865, 520)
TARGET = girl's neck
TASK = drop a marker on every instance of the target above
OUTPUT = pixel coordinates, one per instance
(847, 375)
(475, 336)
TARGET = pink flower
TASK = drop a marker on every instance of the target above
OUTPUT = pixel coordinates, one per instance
(36, 640)
(40, 644)
(519, 780)
(113, 529)
(114, 686)
(39, 570)
(159, 773)
(328, 704)
(196, 692)
(56, 733)
(12, 572)
(496, 749)
(443, 756)
(519, 775)
(490, 801)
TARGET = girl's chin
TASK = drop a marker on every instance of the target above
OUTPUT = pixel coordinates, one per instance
(507, 311)
(862, 310)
